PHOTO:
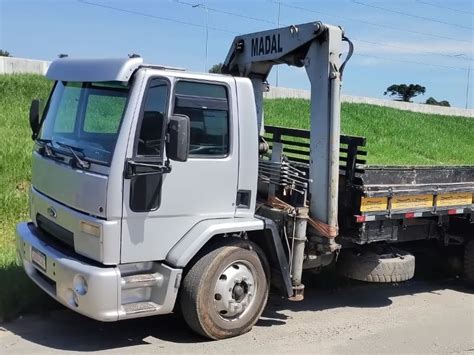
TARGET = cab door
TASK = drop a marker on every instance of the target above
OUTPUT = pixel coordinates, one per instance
(160, 206)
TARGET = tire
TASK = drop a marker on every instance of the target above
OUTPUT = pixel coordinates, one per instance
(236, 271)
(469, 261)
(393, 266)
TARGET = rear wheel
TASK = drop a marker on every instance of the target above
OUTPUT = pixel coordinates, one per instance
(225, 291)
(391, 265)
(469, 261)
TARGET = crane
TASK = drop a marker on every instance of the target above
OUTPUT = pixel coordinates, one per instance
(318, 48)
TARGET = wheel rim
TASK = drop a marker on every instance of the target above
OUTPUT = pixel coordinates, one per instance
(235, 290)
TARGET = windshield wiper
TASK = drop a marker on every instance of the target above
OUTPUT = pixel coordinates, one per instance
(46, 145)
(47, 149)
(83, 164)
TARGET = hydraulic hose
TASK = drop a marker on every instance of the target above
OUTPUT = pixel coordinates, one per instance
(349, 54)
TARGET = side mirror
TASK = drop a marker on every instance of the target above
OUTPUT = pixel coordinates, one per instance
(35, 116)
(177, 146)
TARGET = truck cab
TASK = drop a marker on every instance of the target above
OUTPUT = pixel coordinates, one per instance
(135, 168)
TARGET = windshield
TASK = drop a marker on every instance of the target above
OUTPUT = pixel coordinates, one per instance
(85, 117)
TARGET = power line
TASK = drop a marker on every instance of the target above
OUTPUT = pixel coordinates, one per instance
(445, 7)
(258, 19)
(452, 56)
(133, 12)
(410, 15)
(409, 61)
(241, 16)
(370, 23)
(227, 12)
(278, 23)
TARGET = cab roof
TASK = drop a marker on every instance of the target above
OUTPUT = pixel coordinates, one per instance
(96, 70)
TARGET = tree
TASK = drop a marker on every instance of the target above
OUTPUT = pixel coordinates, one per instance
(405, 92)
(432, 101)
(4, 53)
(216, 68)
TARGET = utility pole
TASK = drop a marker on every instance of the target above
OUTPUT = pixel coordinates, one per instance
(468, 75)
(467, 86)
(277, 68)
(207, 31)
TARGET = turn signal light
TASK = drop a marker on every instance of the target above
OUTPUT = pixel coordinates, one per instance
(90, 228)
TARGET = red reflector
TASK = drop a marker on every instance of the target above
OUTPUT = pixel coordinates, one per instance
(410, 215)
(360, 219)
(452, 211)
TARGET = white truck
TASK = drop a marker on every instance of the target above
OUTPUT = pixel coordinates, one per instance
(153, 188)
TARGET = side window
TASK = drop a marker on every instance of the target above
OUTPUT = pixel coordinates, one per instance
(207, 107)
(151, 136)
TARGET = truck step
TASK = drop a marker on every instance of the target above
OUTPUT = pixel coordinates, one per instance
(141, 280)
(140, 307)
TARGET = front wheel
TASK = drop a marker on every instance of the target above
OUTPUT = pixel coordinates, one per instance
(225, 291)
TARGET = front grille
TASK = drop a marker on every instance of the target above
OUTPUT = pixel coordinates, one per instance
(60, 246)
(55, 231)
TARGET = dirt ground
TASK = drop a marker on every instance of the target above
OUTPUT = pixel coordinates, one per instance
(434, 316)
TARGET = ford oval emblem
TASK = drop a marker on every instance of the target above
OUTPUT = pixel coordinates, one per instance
(52, 212)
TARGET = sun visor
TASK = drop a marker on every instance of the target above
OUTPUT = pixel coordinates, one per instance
(93, 70)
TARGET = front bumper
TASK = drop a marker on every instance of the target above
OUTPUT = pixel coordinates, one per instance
(105, 293)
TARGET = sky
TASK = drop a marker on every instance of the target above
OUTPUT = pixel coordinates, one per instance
(426, 42)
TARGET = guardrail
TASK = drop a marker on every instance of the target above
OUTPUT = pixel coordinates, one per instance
(280, 93)
(10, 65)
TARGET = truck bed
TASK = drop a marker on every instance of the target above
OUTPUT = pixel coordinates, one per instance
(382, 192)
(374, 198)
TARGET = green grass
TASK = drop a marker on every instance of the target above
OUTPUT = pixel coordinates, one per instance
(17, 292)
(393, 136)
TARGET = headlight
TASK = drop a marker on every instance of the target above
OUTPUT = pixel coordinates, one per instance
(89, 228)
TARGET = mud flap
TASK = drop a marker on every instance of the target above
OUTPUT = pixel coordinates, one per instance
(272, 245)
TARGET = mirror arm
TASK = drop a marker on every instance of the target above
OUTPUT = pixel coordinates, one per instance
(131, 165)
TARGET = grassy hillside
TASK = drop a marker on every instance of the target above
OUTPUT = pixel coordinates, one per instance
(394, 137)
(16, 92)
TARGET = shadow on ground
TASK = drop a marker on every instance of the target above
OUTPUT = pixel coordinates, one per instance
(18, 295)
(66, 330)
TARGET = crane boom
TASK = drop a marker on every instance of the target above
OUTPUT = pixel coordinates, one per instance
(316, 47)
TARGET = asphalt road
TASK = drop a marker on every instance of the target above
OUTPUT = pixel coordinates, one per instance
(412, 317)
